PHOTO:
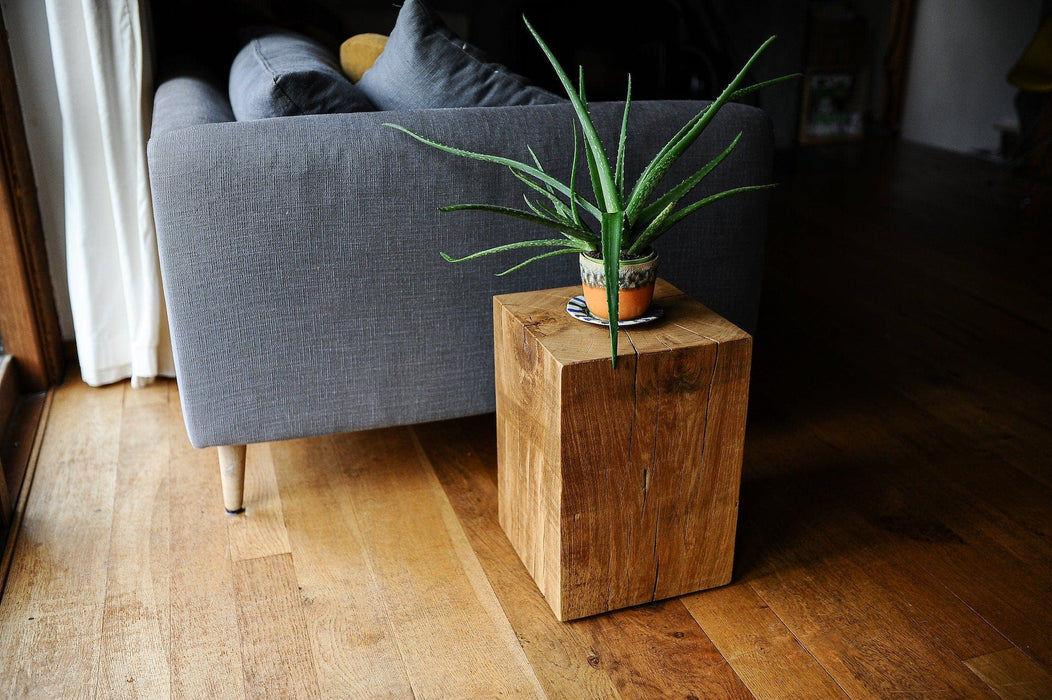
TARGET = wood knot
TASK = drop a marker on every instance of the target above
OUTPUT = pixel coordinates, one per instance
(539, 323)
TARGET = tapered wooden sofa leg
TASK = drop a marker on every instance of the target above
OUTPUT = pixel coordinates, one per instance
(232, 473)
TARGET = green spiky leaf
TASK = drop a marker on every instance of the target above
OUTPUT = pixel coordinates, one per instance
(500, 160)
(607, 196)
(613, 228)
(553, 242)
(622, 143)
(655, 229)
(688, 210)
(550, 254)
(684, 188)
(661, 164)
(584, 237)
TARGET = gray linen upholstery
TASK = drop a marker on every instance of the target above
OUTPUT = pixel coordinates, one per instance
(188, 100)
(426, 65)
(279, 73)
(301, 267)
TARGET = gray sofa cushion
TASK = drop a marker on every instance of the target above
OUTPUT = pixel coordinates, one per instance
(280, 73)
(425, 65)
(189, 100)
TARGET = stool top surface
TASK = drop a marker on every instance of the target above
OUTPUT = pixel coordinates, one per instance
(686, 323)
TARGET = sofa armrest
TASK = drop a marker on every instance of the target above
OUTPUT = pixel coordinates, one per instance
(300, 255)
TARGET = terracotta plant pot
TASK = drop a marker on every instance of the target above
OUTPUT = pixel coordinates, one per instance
(635, 287)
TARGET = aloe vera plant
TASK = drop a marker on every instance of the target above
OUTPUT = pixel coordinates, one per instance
(629, 221)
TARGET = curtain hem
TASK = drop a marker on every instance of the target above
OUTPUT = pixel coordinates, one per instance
(112, 375)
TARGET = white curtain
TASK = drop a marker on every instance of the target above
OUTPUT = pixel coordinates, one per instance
(104, 79)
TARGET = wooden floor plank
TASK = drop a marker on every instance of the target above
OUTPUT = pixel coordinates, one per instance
(465, 467)
(136, 635)
(985, 495)
(52, 610)
(658, 651)
(263, 534)
(1000, 412)
(451, 631)
(860, 635)
(913, 494)
(931, 348)
(277, 657)
(851, 572)
(923, 297)
(758, 646)
(353, 643)
(206, 641)
(915, 388)
(1012, 675)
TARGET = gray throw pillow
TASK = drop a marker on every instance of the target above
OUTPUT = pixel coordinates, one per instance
(280, 73)
(425, 64)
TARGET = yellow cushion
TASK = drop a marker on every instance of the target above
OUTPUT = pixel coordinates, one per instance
(358, 53)
(1033, 70)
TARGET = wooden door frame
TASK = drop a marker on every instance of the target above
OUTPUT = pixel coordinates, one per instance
(28, 318)
(896, 62)
(29, 326)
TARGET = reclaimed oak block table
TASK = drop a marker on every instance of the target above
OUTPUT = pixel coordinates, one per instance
(619, 486)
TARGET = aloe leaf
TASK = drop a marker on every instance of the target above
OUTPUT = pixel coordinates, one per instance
(555, 242)
(582, 235)
(590, 161)
(536, 160)
(657, 169)
(613, 227)
(531, 205)
(736, 95)
(690, 209)
(549, 192)
(620, 173)
(545, 212)
(684, 188)
(610, 200)
(685, 129)
(499, 160)
(550, 254)
(593, 167)
(593, 173)
(576, 215)
(599, 170)
(742, 92)
(655, 229)
(562, 210)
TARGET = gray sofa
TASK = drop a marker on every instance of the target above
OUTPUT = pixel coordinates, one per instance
(301, 267)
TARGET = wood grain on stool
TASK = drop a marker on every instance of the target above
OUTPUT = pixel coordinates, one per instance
(619, 487)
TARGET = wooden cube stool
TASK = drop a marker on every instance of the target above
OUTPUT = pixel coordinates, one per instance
(619, 486)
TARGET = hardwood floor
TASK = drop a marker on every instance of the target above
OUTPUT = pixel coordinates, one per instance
(895, 526)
